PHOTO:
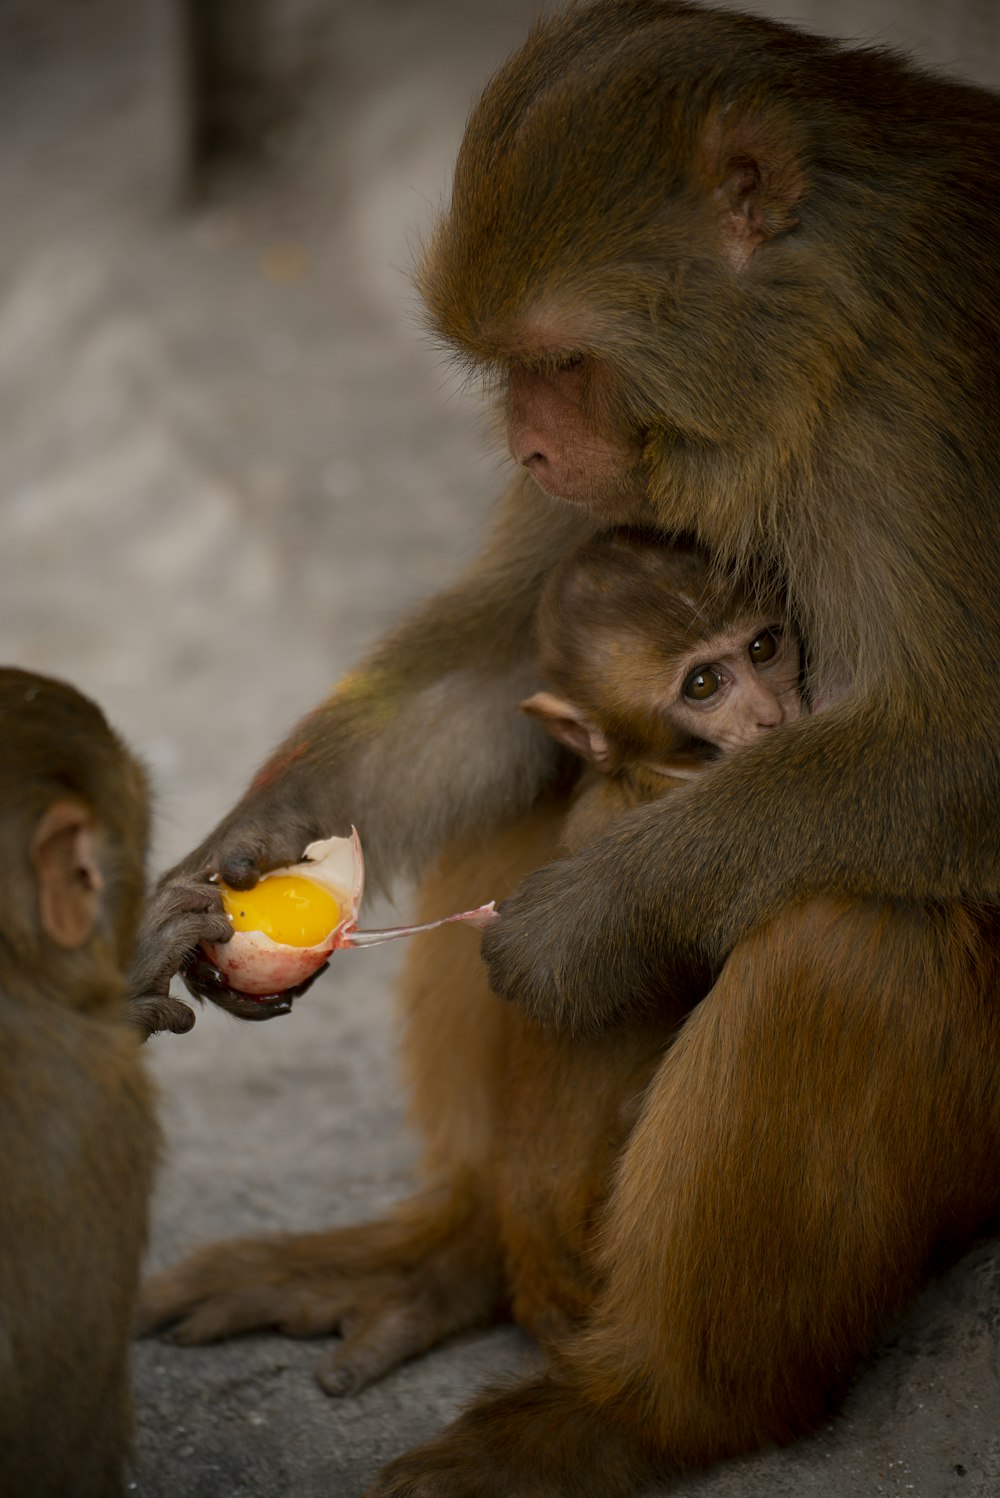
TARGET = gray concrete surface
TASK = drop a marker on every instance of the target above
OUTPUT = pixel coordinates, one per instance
(228, 460)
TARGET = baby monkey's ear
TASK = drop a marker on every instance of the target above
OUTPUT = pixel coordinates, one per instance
(567, 723)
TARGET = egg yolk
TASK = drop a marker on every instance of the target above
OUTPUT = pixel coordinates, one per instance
(290, 910)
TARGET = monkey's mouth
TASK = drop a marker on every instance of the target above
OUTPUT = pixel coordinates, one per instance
(205, 981)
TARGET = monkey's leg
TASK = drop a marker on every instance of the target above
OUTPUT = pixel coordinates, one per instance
(391, 1288)
(570, 1105)
(825, 1120)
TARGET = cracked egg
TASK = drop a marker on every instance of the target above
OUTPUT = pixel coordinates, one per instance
(289, 923)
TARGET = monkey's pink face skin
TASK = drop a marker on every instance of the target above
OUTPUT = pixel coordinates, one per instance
(739, 685)
(551, 435)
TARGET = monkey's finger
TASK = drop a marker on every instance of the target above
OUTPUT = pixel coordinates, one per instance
(178, 1018)
(187, 931)
(250, 1310)
(208, 1273)
(373, 1347)
(242, 865)
(164, 1298)
(153, 1013)
(177, 899)
(281, 840)
(161, 952)
(306, 1314)
(205, 981)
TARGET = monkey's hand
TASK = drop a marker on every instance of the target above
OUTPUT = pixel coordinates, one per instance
(270, 827)
(579, 953)
(179, 917)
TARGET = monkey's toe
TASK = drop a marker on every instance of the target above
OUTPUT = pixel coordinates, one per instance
(376, 1339)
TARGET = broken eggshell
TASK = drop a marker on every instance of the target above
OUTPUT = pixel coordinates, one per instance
(258, 967)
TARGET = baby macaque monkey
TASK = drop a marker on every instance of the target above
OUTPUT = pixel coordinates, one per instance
(656, 665)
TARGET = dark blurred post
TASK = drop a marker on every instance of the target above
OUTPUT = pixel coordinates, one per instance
(250, 64)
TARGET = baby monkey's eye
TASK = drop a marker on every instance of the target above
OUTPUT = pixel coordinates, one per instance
(701, 683)
(764, 646)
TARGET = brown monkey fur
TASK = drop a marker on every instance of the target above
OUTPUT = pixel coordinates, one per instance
(76, 1107)
(739, 282)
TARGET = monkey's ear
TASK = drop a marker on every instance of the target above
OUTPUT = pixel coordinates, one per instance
(565, 722)
(753, 168)
(69, 880)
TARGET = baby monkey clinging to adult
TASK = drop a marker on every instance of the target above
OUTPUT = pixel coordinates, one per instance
(656, 665)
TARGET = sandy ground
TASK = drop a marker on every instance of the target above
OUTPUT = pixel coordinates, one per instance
(228, 460)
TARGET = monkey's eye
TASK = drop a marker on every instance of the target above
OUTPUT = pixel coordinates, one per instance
(763, 647)
(701, 683)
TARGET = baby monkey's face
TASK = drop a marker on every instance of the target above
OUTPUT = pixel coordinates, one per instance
(737, 685)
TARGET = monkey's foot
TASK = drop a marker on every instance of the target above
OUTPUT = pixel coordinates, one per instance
(536, 1440)
(390, 1289)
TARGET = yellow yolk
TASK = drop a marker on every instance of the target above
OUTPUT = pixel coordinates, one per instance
(285, 907)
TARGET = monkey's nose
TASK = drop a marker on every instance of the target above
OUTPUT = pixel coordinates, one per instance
(546, 474)
(769, 714)
(532, 459)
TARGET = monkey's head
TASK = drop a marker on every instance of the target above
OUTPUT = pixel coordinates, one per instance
(621, 258)
(74, 824)
(650, 655)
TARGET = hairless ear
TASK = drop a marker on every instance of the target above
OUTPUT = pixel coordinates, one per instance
(565, 722)
(69, 880)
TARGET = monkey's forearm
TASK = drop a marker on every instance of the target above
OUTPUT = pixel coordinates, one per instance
(424, 738)
(827, 806)
(849, 804)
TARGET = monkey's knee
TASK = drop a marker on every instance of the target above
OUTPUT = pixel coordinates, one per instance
(819, 1128)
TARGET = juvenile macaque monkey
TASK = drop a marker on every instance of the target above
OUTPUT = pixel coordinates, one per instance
(655, 666)
(76, 1107)
(736, 282)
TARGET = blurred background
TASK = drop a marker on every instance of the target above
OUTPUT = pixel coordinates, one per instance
(228, 458)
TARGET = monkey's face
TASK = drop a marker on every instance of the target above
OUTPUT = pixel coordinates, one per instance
(558, 430)
(620, 257)
(737, 686)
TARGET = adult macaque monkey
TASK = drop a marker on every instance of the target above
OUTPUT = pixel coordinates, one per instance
(76, 1108)
(742, 283)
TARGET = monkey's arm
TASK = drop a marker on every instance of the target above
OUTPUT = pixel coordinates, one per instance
(178, 918)
(846, 802)
(423, 739)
